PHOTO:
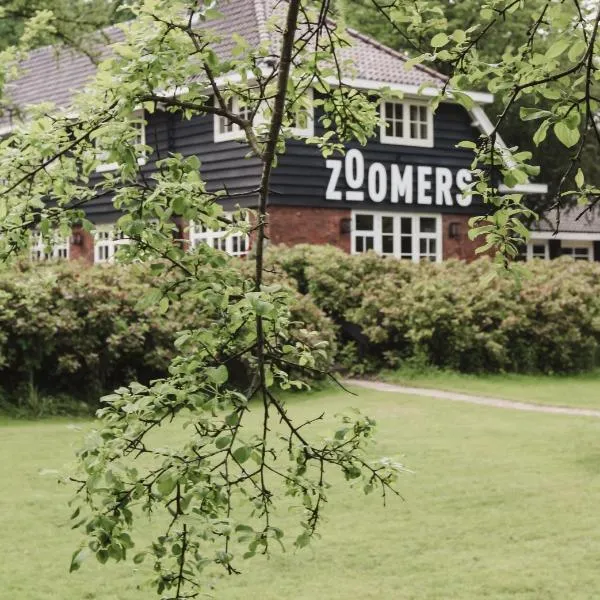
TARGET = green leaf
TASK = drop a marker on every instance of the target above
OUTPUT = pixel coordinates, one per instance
(579, 178)
(218, 375)
(558, 48)
(77, 559)
(567, 136)
(439, 40)
(139, 558)
(242, 454)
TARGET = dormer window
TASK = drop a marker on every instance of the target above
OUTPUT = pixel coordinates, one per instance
(407, 123)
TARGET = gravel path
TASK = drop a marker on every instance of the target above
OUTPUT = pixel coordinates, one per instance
(485, 401)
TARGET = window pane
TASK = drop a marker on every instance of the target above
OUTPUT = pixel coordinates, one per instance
(406, 245)
(423, 113)
(387, 224)
(387, 244)
(423, 132)
(428, 225)
(422, 247)
(432, 246)
(369, 243)
(414, 130)
(389, 111)
(414, 112)
(359, 244)
(405, 225)
(364, 222)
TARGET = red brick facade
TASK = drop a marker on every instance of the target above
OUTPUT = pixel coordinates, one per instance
(293, 225)
(307, 225)
(459, 245)
(81, 245)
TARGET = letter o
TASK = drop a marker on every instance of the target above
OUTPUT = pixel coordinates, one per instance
(355, 169)
(377, 182)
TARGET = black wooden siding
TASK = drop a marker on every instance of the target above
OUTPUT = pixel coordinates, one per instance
(301, 176)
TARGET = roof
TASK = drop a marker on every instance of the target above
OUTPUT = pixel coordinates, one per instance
(572, 220)
(54, 75)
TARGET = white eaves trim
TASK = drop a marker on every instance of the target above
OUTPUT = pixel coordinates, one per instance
(573, 236)
(410, 90)
(525, 188)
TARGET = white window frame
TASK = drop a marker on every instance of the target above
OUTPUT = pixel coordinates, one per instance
(309, 130)
(110, 238)
(405, 140)
(416, 234)
(138, 114)
(218, 240)
(533, 243)
(236, 133)
(38, 250)
(574, 244)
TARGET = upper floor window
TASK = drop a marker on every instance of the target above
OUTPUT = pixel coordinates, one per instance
(407, 123)
(302, 116)
(138, 122)
(299, 120)
(235, 244)
(226, 130)
(107, 240)
(410, 237)
(39, 249)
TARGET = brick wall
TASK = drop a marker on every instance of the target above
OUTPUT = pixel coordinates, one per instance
(308, 225)
(460, 247)
(81, 251)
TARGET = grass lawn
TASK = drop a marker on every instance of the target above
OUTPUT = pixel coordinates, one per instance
(501, 505)
(558, 390)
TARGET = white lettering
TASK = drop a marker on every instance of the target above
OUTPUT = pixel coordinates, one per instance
(443, 185)
(423, 185)
(401, 185)
(336, 168)
(355, 174)
(377, 182)
(463, 178)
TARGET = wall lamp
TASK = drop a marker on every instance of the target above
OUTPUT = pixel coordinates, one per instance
(454, 230)
(345, 225)
(77, 238)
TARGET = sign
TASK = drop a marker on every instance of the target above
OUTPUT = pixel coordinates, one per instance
(396, 184)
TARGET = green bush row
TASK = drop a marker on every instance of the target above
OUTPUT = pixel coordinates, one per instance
(72, 332)
(452, 315)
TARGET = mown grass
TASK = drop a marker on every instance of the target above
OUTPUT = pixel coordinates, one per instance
(581, 390)
(501, 505)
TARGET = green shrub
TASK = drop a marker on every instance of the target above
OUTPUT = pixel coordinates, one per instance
(452, 315)
(71, 331)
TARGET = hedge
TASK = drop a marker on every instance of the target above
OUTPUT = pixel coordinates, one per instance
(452, 315)
(72, 331)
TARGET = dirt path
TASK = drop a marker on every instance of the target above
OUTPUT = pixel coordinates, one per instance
(483, 400)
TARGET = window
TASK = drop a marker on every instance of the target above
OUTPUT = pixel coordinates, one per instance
(302, 119)
(139, 124)
(226, 130)
(107, 240)
(407, 123)
(534, 249)
(236, 244)
(410, 237)
(39, 249)
(578, 250)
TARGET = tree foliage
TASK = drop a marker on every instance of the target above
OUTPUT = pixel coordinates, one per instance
(499, 32)
(217, 488)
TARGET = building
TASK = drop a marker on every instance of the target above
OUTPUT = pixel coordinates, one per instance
(400, 195)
